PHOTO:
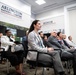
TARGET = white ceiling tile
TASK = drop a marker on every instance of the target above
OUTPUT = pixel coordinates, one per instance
(50, 4)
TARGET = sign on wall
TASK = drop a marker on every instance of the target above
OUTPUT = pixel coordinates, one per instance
(10, 11)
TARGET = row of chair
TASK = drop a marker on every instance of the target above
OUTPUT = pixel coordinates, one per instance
(39, 64)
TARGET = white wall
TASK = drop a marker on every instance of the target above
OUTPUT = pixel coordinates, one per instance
(70, 17)
(56, 15)
(50, 14)
(33, 17)
(58, 24)
(25, 9)
(72, 24)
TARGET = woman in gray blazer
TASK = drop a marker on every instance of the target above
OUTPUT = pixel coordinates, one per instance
(35, 42)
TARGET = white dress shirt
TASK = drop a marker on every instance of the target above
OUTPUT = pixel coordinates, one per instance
(5, 43)
(71, 43)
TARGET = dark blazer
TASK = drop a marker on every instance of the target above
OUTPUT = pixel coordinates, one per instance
(46, 43)
(66, 44)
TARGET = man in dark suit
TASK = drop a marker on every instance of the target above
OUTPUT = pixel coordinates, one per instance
(62, 41)
(66, 52)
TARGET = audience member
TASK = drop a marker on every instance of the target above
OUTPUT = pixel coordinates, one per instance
(53, 39)
(66, 51)
(35, 42)
(15, 58)
(70, 41)
(64, 36)
(25, 43)
(0, 38)
(1, 58)
(45, 40)
(62, 41)
(41, 34)
(24, 38)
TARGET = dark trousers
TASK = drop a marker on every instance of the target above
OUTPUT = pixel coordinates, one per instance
(15, 58)
(74, 60)
(70, 55)
(54, 58)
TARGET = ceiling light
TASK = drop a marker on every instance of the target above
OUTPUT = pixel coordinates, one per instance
(40, 2)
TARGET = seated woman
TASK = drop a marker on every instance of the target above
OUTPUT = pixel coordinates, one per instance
(35, 42)
(15, 58)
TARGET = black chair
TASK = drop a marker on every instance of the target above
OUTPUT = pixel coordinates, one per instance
(68, 63)
(1, 56)
(1, 50)
(37, 63)
(40, 64)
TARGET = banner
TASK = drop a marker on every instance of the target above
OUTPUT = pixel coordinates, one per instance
(10, 11)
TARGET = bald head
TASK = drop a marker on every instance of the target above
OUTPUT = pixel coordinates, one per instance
(64, 36)
(54, 34)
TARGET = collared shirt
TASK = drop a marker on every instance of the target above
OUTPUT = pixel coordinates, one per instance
(71, 43)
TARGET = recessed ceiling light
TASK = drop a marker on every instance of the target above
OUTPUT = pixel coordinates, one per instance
(40, 2)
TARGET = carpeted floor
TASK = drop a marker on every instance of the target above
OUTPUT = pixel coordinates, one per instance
(26, 69)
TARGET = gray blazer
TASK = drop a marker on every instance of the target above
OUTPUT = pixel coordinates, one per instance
(35, 42)
(55, 44)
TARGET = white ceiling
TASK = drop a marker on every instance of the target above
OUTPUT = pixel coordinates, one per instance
(49, 5)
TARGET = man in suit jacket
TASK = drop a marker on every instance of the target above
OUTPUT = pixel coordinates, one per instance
(53, 40)
(66, 52)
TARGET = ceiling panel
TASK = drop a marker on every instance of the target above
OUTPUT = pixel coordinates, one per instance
(50, 4)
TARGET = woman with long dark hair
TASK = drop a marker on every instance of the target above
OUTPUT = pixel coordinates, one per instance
(35, 42)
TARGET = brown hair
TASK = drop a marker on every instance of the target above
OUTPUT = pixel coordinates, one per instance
(32, 25)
